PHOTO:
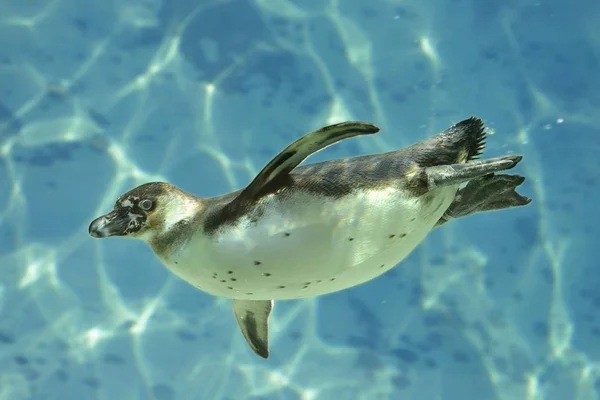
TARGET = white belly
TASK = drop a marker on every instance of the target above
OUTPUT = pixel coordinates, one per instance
(308, 246)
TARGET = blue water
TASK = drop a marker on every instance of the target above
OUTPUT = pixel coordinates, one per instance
(97, 97)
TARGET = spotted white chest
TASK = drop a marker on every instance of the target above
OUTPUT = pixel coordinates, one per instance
(304, 245)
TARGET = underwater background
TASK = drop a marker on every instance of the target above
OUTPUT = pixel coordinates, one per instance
(97, 97)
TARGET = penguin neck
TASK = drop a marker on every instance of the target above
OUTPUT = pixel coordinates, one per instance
(179, 225)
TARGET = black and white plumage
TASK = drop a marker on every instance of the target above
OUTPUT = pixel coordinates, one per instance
(303, 231)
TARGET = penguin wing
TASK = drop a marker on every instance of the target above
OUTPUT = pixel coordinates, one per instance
(253, 318)
(289, 158)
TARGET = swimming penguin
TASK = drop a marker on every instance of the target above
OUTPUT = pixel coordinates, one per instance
(303, 231)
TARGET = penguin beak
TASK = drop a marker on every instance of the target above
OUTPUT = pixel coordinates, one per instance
(114, 223)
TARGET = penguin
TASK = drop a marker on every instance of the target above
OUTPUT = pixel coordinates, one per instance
(304, 231)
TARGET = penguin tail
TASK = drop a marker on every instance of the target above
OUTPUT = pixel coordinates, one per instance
(462, 142)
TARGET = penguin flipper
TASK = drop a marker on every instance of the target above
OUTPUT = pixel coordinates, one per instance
(253, 319)
(282, 164)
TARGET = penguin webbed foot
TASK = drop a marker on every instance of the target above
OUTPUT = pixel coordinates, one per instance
(487, 193)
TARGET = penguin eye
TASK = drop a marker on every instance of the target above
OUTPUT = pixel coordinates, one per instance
(145, 204)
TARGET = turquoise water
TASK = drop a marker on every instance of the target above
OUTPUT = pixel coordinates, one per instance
(98, 97)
